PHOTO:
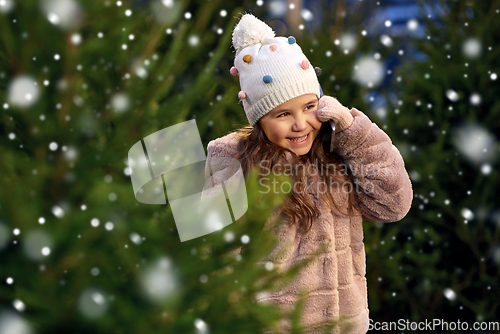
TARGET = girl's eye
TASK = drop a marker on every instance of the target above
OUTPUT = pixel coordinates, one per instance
(310, 106)
(283, 114)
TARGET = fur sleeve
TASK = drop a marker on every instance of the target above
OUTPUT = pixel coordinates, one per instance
(382, 188)
(220, 155)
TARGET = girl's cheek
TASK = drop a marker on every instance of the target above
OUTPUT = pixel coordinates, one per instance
(315, 115)
(315, 120)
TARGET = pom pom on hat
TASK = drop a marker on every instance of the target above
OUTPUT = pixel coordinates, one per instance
(250, 31)
(233, 71)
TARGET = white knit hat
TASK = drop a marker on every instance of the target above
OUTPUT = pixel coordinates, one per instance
(272, 70)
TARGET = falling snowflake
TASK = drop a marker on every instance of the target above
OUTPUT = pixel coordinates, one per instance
(368, 71)
(452, 95)
(201, 326)
(11, 323)
(120, 101)
(159, 280)
(412, 24)
(472, 47)
(23, 91)
(92, 303)
(37, 244)
(386, 40)
(6, 5)
(450, 294)
(475, 143)
(64, 13)
(348, 41)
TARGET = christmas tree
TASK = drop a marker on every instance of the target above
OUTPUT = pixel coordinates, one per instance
(442, 261)
(82, 82)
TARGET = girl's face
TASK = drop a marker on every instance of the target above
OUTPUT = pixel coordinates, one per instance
(293, 124)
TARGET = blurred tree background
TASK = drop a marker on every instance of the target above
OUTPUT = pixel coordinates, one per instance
(81, 82)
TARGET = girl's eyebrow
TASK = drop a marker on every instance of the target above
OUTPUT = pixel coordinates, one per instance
(284, 109)
(312, 101)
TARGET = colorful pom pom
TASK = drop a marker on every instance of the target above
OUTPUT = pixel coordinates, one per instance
(247, 59)
(233, 71)
(304, 64)
(273, 47)
(291, 40)
(267, 79)
(242, 95)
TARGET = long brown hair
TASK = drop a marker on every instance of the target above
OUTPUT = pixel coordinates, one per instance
(254, 148)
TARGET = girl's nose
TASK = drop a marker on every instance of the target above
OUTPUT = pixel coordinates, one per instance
(300, 123)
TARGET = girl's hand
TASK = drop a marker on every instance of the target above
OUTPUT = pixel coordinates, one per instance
(331, 109)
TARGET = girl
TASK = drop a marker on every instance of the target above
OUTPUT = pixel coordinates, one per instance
(340, 176)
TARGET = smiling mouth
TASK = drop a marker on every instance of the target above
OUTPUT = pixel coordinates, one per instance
(299, 140)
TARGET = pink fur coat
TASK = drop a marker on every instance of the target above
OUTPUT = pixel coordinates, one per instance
(334, 281)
